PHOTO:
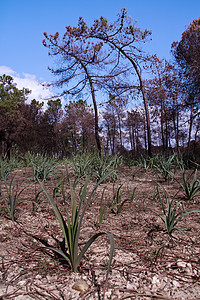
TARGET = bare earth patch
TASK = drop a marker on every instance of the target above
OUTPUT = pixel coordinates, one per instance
(146, 264)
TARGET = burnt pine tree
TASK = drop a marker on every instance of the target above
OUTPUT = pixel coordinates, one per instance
(187, 55)
(123, 39)
(77, 60)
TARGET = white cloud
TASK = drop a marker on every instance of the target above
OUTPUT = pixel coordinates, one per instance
(25, 80)
(6, 70)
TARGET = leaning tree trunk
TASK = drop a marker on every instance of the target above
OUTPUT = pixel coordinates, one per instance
(96, 119)
(143, 95)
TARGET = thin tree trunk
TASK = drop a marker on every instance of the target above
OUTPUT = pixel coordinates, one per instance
(145, 138)
(175, 115)
(131, 138)
(134, 140)
(166, 133)
(191, 123)
(176, 131)
(114, 135)
(120, 130)
(162, 127)
(96, 119)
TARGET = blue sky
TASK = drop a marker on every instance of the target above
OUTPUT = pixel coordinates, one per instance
(23, 22)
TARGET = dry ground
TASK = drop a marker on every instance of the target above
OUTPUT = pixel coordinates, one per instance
(146, 264)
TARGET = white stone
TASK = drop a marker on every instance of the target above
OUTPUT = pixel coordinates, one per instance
(155, 280)
(130, 286)
(181, 264)
(22, 282)
(176, 283)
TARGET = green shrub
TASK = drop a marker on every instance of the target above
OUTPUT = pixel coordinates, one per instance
(171, 213)
(164, 164)
(11, 195)
(68, 249)
(190, 186)
(82, 165)
(42, 165)
(8, 165)
(101, 167)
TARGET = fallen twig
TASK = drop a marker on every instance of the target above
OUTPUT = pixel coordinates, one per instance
(134, 293)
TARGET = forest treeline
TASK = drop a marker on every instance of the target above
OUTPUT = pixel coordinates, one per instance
(139, 113)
